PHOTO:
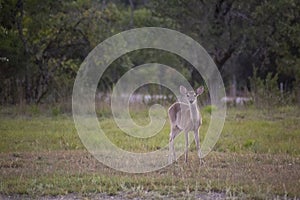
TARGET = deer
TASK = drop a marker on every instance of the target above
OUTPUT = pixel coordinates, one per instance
(185, 117)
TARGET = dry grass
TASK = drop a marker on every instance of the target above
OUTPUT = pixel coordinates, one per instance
(63, 172)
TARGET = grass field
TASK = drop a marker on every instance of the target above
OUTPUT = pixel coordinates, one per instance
(257, 156)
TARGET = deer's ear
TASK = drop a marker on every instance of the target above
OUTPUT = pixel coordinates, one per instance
(200, 90)
(182, 90)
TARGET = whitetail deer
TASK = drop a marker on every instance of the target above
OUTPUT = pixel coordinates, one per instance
(185, 117)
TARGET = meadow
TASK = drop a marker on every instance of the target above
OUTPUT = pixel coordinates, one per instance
(256, 157)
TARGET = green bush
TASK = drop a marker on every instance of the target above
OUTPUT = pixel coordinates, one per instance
(209, 108)
(266, 92)
(56, 111)
(34, 109)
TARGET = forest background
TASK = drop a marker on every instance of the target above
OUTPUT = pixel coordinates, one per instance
(255, 45)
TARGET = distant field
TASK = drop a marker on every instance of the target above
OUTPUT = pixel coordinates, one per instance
(257, 156)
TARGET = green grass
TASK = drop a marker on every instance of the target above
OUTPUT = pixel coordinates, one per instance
(257, 156)
(274, 133)
(38, 134)
(244, 131)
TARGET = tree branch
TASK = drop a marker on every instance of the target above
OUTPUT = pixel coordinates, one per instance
(19, 19)
(131, 14)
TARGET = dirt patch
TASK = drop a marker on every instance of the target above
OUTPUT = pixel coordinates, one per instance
(222, 175)
(120, 196)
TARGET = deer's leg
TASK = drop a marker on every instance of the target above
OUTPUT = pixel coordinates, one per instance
(197, 141)
(174, 132)
(171, 149)
(186, 145)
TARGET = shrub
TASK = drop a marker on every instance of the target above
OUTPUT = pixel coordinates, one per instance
(266, 93)
(209, 108)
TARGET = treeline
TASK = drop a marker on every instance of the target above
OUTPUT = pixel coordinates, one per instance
(42, 43)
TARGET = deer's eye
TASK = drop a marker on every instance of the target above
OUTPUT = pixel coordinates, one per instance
(188, 95)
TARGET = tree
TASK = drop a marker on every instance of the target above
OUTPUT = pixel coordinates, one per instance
(277, 26)
(45, 42)
(217, 25)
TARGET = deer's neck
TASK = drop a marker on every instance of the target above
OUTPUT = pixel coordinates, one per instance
(194, 112)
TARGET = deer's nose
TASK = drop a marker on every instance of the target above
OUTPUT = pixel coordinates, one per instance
(191, 101)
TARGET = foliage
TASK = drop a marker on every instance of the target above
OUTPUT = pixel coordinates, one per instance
(280, 25)
(42, 44)
(266, 92)
(209, 109)
(242, 34)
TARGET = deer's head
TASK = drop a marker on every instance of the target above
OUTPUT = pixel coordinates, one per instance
(191, 96)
